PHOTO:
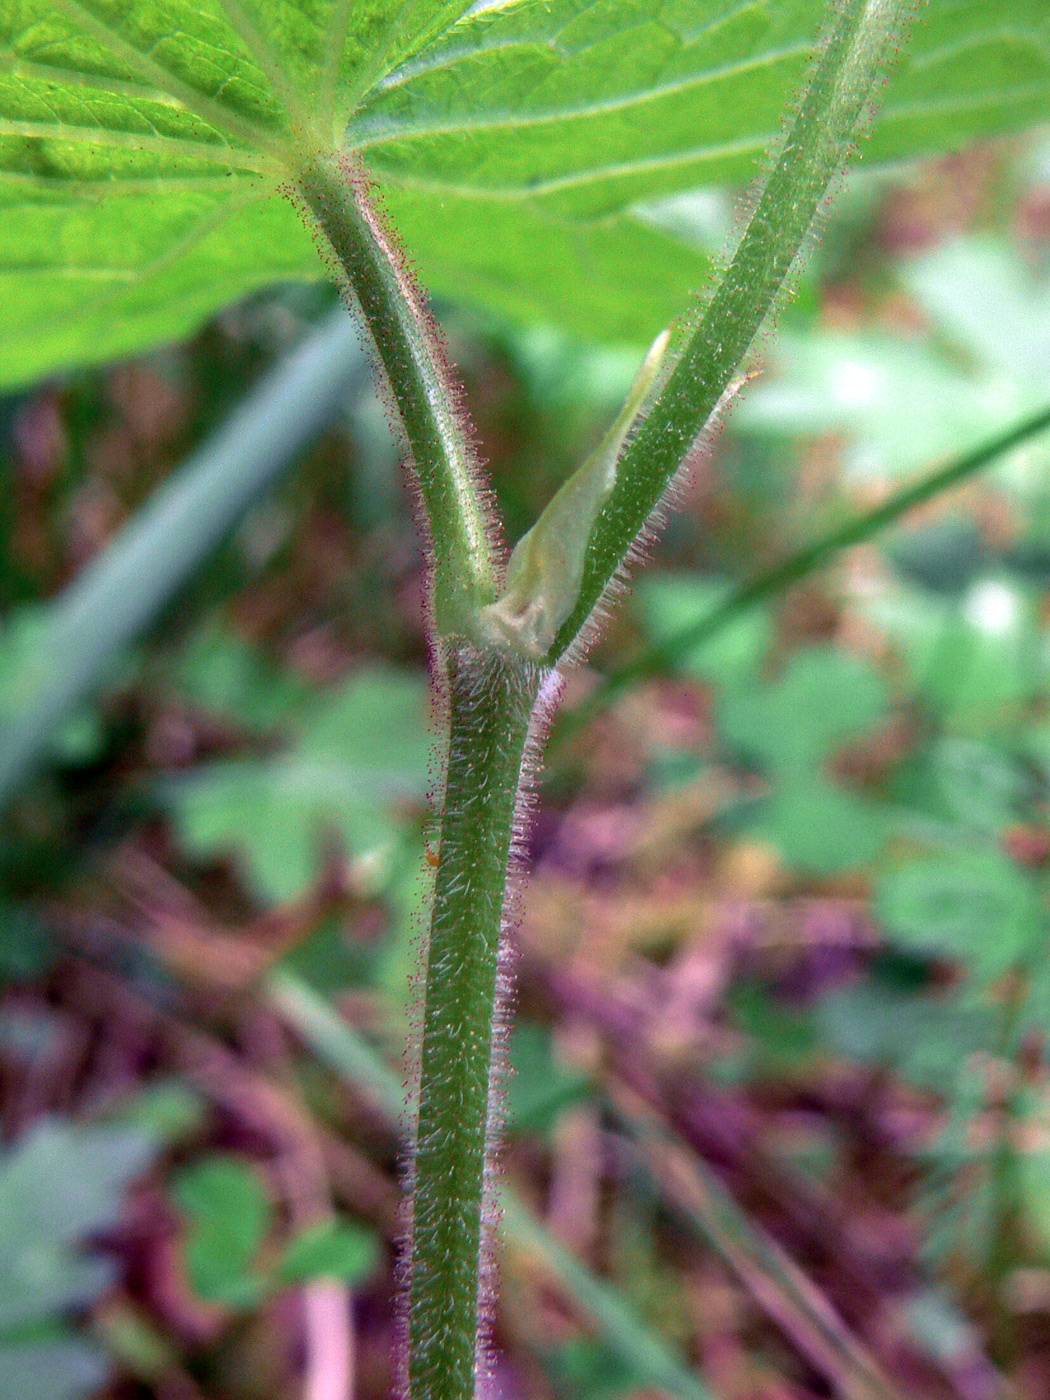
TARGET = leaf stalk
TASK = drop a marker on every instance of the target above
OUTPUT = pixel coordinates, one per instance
(462, 535)
(858, 45)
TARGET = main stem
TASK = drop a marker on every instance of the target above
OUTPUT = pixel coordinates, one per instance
(491, 701)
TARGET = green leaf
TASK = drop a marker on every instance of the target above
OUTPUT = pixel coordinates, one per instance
(141, 150)
(901, 403)
(818, 827)
(968, 660)
(823, 698)
(1003, 321)
(584, 1369)
(791, 729)
(356, 756)
(571, 114)
(981, 788)
(143, 147)
(92, 277)
(620, 278)
(671, 602)
(906, 403)
(167, 1109)
(59, 1185)
(66, 1368)
(230, 1214)
(582, 109)
(973, 905)
(227, 677)
(927, 1039)
(333, 1249)
(540, 1085)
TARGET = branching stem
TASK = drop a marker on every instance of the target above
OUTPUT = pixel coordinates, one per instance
(859, 42)
(492, 687)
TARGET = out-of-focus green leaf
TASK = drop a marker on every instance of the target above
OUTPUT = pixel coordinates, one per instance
(57, 1186)
(819, 827)
(357, 755)
(229, 1214)
(924, 1038)
(982, 788)
(225, 675)
(540, 1085)
(904, 403)
(823, 698)
(901, 403)
(974, 905)
(669, 602)
(791, 730)
(983, 295)
(65, 1368)
(333, 1249)
(968, 658)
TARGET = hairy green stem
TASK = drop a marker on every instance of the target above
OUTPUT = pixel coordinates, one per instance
(370, 268)
(641, 1350)
(491, 700)
(820, 138)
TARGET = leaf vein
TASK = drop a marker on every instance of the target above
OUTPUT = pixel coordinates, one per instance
(555, 184)
(519, 119)
(259, 48)
(228, 122)
(141, 274)
(156, 144)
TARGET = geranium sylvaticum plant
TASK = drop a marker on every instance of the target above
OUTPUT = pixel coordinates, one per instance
(161, 157)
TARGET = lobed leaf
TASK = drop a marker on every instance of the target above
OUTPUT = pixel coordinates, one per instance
(357, 755)
(582, 107)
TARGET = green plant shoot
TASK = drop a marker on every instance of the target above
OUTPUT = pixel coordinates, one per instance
(545, 570)
(201, 120)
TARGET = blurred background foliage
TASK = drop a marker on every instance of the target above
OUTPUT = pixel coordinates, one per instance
(780, 1093)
